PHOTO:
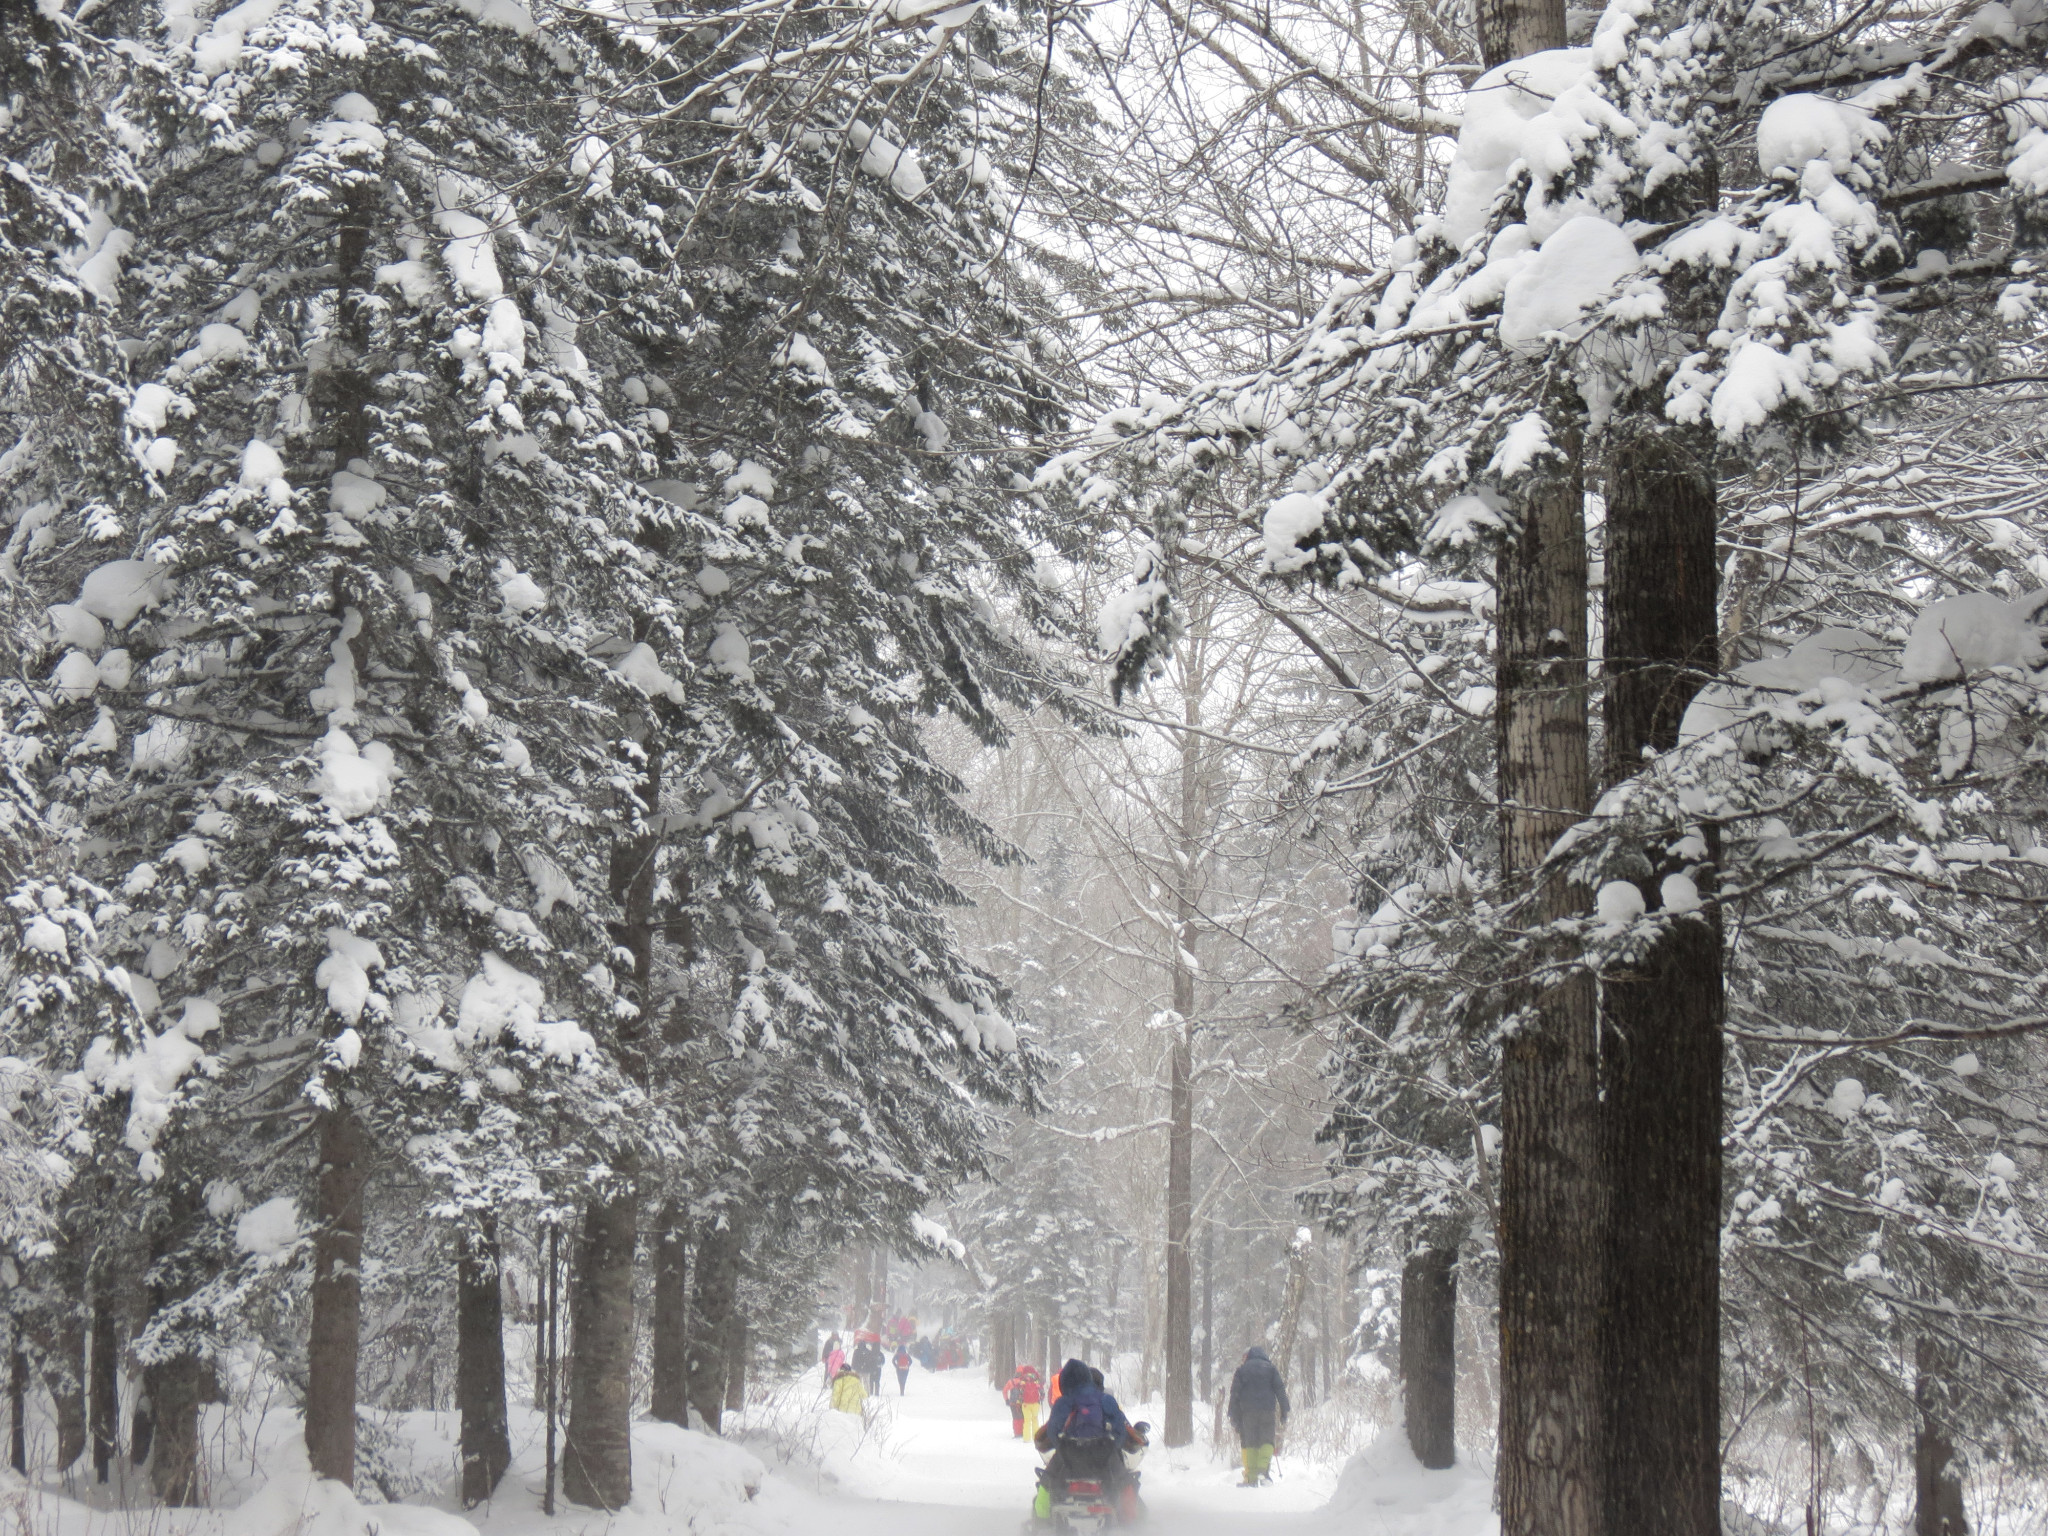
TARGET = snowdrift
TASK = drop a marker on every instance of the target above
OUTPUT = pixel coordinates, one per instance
(1385, 1491)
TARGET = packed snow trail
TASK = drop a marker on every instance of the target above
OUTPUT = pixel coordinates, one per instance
(943, 1463)
(938, 1462)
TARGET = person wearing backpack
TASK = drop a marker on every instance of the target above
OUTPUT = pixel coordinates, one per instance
(903, 1363)
(1086, 1434)
(1013, 1399)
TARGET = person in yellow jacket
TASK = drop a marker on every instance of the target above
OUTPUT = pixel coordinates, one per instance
(849, 1394)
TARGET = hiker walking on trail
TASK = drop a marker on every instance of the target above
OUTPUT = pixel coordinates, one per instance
(1258, 1407)
(902, 1362)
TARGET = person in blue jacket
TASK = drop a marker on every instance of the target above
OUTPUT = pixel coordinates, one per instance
(1086, 1434)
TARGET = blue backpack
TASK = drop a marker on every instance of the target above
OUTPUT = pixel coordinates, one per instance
(1084, 1419)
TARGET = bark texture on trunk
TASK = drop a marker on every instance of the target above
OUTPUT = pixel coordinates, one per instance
(174, 1464)
(103, 1407)
(1660, 1020)
(64, 1374)
(1511, 29)
(1002, 1347)
(1429, 1354)
(17, 1404)
(736, 1363)
(669, 1392)
(480, 1361)
(1937, 1480)
(1552, 1213)
(1179, 1428)
(334, 1346)
(714, 1315)
(597, 1454)
(1208, 1309)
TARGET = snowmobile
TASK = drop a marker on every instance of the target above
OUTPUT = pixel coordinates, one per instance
(1091, 1498)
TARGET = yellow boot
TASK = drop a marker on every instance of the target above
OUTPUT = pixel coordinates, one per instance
(1251, 1478)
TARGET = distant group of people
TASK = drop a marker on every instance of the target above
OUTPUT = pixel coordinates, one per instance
(853, 1378)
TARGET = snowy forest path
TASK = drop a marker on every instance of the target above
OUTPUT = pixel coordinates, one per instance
(949, 1466)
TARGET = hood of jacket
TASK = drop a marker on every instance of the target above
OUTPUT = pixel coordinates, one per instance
(1074, 1376)
(1258, 1352)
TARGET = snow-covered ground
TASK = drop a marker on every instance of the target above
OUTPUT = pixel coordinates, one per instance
(939, 1461)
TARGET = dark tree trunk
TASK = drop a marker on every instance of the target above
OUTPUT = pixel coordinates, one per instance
(713, 1313)
(1513, 29)
(1552, 1213)
(736, 1364)
(1002, 1347)
(17, 1404)
(335, 1339)
(64, 1375)
(1180, 1324)
(1429, 1354)
(104, 1405)
(480, 1361)
(174, 1466)
(141, 1425)
(1208, 1309)
(1660, 1020)
(670, 1390)
(597, 1457)
(550, 1331)
(1937, 1480)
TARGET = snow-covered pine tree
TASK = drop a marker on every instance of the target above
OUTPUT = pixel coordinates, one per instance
(404, 450)
(339, 854)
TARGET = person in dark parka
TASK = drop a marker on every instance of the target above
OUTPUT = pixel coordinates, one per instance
(1258, 1407)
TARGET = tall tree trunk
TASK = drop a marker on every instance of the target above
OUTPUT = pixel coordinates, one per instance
(736, 1362)
(1660, 1018)
(712, 1316)
(1429, 1354)
(17, 1403)
(1513, 29)
(597, 1456)
(334, 1346)
(1552, 1213)
(1002, 1346)
(480, 1361)
(65, 1375)
(174, 1460)
(1937, 1481)
(64, 1353)
(1208, 1309)
(104, 1398)
(670, 1389)
(1180, 1323)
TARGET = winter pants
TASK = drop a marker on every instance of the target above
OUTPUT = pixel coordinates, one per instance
(1033, 1414)
(1255, 1434)
(902, 1380)
(1017, 1422)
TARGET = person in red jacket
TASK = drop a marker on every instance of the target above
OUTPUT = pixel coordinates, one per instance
(1025, 1395)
